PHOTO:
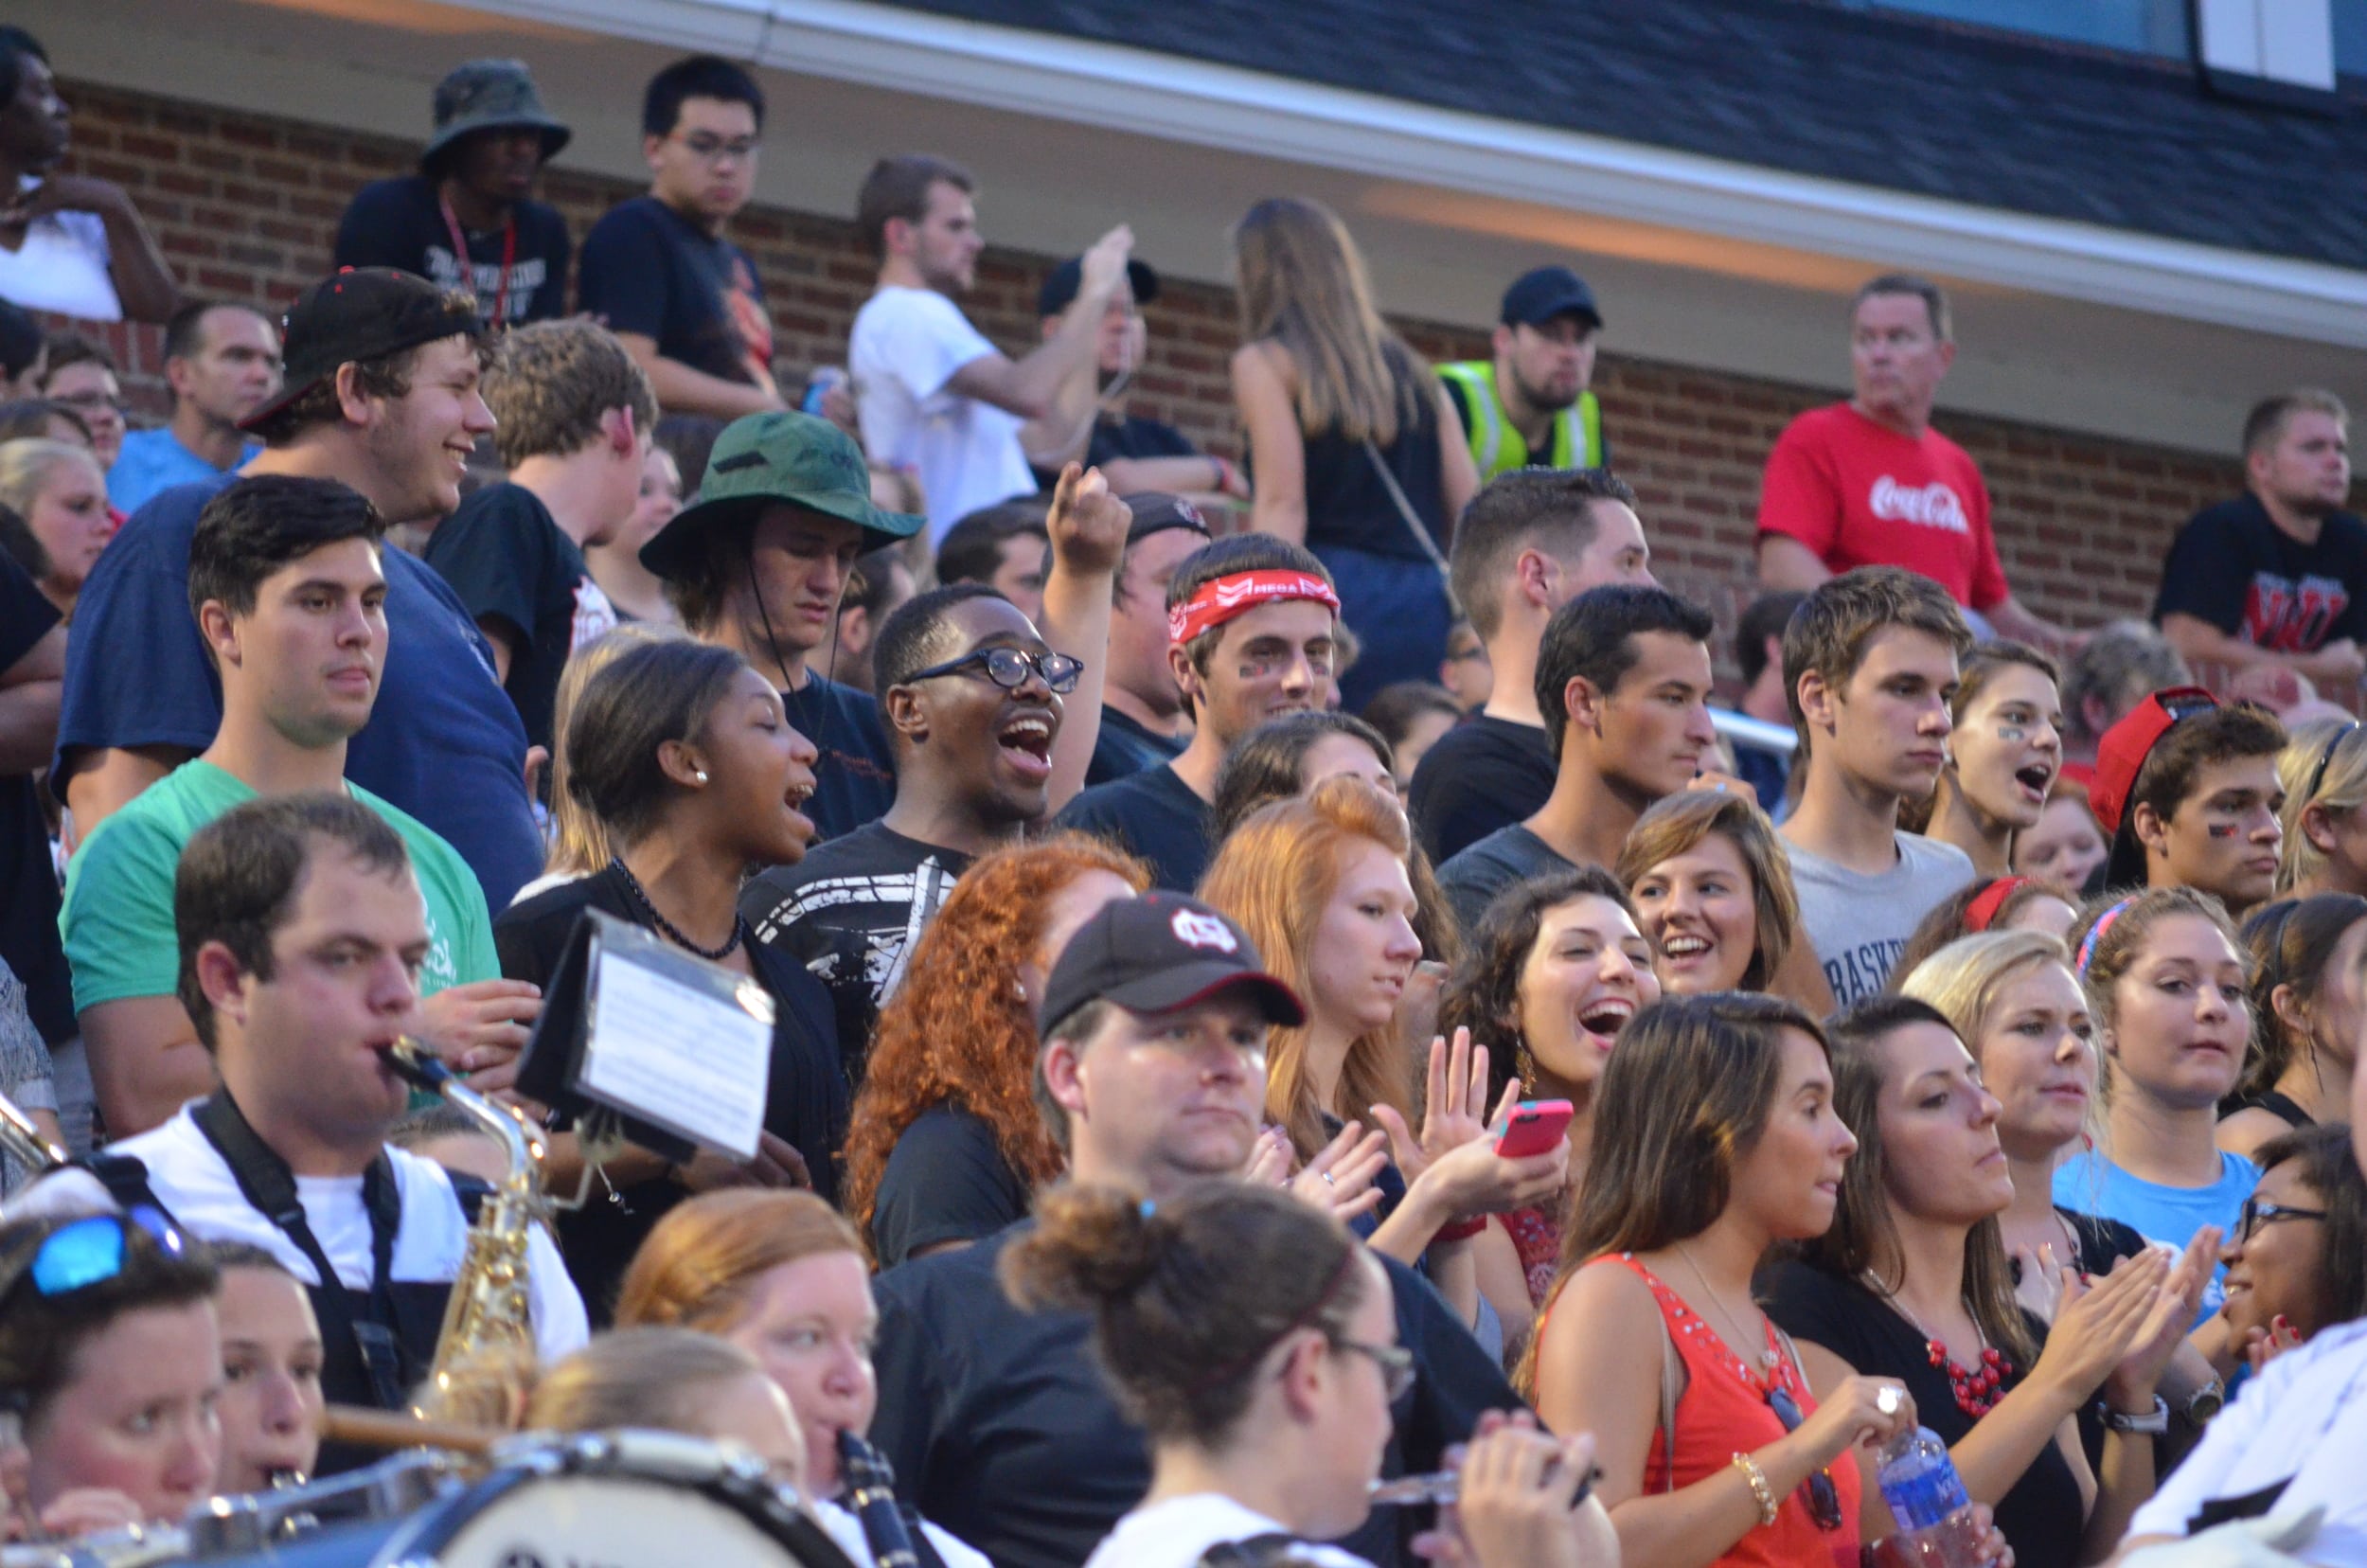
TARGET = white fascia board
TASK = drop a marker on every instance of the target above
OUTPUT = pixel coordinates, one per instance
(1148, 93)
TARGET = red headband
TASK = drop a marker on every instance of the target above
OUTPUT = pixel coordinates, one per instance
(1983, 909)
(1220, 600)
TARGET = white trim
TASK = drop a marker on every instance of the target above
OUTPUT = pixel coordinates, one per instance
(1158, 94)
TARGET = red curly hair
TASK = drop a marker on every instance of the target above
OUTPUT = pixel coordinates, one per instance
(957, 1030)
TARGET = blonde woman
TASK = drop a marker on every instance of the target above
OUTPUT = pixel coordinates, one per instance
(2323, 771)
(53, 515)
(1357, 453)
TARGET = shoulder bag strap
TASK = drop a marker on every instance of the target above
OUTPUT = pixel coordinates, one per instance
(1405, 510)
(1672, 1374)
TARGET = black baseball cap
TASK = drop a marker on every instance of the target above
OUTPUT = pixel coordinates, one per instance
(1062, 283)
(1160, 954)
(1157, 512)
(361, 313)
(1536, 297)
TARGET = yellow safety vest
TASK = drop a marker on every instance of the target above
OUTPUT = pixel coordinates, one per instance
(1497, 448)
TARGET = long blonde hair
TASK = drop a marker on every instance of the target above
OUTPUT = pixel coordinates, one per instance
(1965, 979)
(1275, 875)
(1302, 285)
(580, 843)
(2333, 752)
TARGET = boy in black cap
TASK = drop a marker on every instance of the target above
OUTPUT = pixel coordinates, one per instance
(1143, 722)
(1153, 1076)
(1529, 405)
(381, 394)
(1089, 420)
(465, 219)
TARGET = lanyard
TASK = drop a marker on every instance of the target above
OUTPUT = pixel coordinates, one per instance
(269, 1186)
(468, 268)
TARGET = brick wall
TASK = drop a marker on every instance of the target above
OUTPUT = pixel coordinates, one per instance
(246, 206)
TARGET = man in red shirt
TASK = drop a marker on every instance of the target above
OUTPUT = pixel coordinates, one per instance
(1869, 483)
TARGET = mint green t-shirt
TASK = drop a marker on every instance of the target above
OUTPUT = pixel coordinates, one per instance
(117, 919)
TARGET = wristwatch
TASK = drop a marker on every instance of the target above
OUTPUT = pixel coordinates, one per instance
(2151, 1424)
(2207, 1401)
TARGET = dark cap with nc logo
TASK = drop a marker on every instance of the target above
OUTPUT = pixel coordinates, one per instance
(1160, 954)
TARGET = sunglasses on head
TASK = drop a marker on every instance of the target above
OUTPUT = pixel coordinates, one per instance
(2325, 760)
(91, 1250)
(1823, 1497)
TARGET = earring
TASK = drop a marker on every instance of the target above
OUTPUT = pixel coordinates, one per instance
(700, 777)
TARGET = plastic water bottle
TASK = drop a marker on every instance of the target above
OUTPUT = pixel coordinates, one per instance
(1936, 1527)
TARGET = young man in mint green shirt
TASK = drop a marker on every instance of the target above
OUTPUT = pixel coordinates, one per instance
(286, 585)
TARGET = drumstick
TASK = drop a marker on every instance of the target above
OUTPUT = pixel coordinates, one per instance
(391, 1429)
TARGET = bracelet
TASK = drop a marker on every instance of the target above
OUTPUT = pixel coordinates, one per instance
(2151, 1424)
(1460, 1230)
(1760, 1490)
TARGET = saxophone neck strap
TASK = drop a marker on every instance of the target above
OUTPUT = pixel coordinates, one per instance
(364, 1319)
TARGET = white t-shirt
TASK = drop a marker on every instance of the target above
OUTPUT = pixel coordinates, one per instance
(907, 344)
(195, 1185)
(845, 1527)
(1178, 1533)
(2303, 1419)
(61, 266)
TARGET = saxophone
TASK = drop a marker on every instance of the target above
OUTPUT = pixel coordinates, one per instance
(484, 1352)
(23, 1140)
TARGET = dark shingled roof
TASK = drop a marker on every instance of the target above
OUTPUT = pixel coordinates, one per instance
(2128, 141)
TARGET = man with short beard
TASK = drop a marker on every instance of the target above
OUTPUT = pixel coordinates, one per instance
(1252, 628)
(381, 393)
(1529, 405)
(2279, 574)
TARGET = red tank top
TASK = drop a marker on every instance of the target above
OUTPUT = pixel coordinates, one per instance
(1724, 1412)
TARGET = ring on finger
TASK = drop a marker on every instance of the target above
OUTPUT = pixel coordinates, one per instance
(1328, 1181)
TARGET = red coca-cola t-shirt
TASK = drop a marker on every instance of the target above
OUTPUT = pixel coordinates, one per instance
(1861, 495)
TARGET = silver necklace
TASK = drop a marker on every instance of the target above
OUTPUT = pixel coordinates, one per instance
(1765, 1356)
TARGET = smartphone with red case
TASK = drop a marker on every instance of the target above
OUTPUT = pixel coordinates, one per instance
(1533, 1128)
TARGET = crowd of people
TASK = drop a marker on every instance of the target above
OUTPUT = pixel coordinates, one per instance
(1178, 887)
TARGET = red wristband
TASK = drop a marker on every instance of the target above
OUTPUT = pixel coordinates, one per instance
(1461, 1230)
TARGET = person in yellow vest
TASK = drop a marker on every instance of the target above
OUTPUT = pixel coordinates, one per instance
(1529, 405)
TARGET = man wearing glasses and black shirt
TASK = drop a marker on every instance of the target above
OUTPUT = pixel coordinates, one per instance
(657, 271)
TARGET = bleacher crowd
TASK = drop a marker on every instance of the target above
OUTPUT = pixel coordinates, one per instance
(1282, 973)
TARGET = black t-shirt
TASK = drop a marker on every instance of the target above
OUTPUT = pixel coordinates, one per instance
(1153, 814)
(28, 879)
(1483, 775)
(855, 779)
(648, 269)
(2233, 567)
(946, 1180)
(1504, 859)
(399, 223)
(805, 1097)
(2041, 1515)
(1124, 748)
(1001, 1430)
(1126, 436)
(512, 562)
(850, 912)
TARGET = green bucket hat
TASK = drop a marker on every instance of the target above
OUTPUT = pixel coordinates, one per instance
(490, 95)
(769, 459)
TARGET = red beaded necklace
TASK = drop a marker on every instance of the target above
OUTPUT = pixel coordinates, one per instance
(1977, 1388)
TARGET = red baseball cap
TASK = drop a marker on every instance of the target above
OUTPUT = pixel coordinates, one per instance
(2123, 751)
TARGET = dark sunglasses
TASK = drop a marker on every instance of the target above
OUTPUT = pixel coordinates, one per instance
(1395, 1361)
(2255, 1214)
(1010, 668)
(1823, 1497)
(91, 1250)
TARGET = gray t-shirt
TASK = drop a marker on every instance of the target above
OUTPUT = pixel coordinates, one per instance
(1858, 924)
(1510, 855)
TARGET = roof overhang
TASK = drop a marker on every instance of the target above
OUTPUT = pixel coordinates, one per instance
(1144, 93)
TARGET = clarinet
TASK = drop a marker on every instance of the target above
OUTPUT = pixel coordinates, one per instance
(871, 1487)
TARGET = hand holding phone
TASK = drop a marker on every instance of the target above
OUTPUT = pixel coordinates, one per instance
(1533, 1128)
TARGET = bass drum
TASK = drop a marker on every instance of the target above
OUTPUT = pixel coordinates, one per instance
(617, 1500)
(608, 1500)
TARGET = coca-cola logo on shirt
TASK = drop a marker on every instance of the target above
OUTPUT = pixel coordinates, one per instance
(1931, 506)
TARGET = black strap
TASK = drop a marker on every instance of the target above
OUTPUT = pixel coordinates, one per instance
(364, 1321)
(1259, 1551)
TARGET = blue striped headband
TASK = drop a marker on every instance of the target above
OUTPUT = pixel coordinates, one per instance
(2095, 933)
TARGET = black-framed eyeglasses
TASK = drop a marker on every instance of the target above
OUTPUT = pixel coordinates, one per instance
(2255, 1214)
(1010, 668)
(1395, 1361)
(1823, 1497)
(91, 1250)
(707, 148)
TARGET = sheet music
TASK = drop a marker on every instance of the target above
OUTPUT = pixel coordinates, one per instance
(691, 1060)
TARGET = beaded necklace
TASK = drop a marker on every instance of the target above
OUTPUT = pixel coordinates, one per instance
(1977, 1388)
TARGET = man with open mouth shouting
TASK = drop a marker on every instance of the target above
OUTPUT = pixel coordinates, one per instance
(973, 700)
